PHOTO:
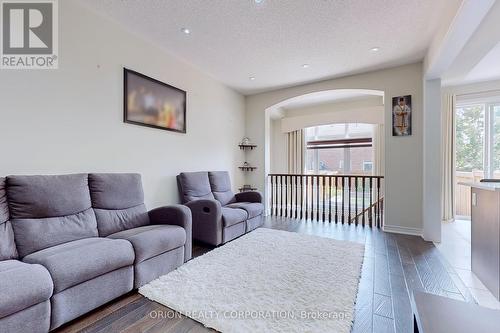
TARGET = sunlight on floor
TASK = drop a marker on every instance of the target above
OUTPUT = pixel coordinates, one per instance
(456, 247)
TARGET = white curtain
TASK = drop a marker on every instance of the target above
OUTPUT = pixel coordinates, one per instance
(296, 152)
(378, 149)
(448, 163)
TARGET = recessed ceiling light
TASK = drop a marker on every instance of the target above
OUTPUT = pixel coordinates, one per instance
(259, 1)
(306, 65)
(252, 78)
(375, 49)
(186, 31)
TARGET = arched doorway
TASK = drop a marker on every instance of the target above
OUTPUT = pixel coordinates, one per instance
(327, 108)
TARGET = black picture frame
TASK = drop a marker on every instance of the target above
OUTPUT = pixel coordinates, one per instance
(127, 74)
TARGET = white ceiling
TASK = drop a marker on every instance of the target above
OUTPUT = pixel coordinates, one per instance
(233, 40)
(479, 58)
(487, 69)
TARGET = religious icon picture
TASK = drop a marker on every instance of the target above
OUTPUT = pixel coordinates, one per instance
(401, 115)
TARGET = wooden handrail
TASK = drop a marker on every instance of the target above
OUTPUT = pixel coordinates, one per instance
(323, 175)
(364, 211)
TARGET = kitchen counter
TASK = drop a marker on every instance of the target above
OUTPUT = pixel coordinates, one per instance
(483, 186)
(485, 234)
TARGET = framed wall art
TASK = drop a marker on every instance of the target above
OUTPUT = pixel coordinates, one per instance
(152, 103)
(401, 116)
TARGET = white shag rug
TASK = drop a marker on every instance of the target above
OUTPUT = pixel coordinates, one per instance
(267, 281)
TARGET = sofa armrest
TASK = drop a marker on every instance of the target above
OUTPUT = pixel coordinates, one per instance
(249, 196)
(207, 220)
(175, 215)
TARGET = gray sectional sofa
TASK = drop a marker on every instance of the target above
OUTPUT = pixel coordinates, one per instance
(219, 215)
(70, 243)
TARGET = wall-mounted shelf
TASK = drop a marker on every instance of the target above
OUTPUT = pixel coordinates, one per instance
(247, 168)
(246, 189)
(251, 147)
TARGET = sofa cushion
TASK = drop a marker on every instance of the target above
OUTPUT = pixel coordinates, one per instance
(220, 183)
(49, 210)
(33, 235)
(78, 261)
(152, 240)
(32, 197)
(112, 221)
(22, 285)
(232, 216)
(252, 208)
(7, 245)
(194, 186)
(118, 201)
(116, 190)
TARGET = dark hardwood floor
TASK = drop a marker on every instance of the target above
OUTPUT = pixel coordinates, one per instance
(394, 266)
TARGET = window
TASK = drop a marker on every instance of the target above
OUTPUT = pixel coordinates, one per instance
(496, 142)
(339, 149)
(478, 139)
(367, 166)
(477, 147)
(470, 138)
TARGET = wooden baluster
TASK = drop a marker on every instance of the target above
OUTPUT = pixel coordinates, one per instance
(370, 211)
(296, 195)
(317, 198)
(311, 209)
(307, 197)
(382, 211)
(356, 199)
(349, 199)
(281, 195)
(301, 197)
(272, 193)
(364, 207)
(343, 200)
(312, 197)
(336, 200)
(329, 199)
(286, 196)
(324, 193)
(378, 202)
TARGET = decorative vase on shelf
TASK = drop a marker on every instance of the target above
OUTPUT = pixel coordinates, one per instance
(246, 141)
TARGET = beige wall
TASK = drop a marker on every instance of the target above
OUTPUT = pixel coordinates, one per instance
(403, 166)
(366, 110)
(70, 119)
(278, 147)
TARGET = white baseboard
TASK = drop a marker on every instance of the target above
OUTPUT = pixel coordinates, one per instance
(402, 230)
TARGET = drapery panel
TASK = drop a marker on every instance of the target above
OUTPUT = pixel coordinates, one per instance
(448, 162)
(296, 152)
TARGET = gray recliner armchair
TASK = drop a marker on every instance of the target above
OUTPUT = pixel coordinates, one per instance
(219, 215)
